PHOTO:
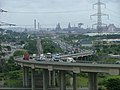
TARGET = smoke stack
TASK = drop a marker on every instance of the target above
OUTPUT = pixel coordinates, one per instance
(35, 24)
(38, 26)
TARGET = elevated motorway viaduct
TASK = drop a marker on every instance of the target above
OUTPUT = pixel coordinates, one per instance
(61, 68)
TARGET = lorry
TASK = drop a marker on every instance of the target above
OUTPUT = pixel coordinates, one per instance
(26, 56)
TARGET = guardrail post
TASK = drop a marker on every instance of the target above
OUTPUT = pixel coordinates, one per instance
(92, 81)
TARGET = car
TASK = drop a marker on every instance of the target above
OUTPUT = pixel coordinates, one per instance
(40, 59)
(94, 62)
(56, 58)
(117, 62)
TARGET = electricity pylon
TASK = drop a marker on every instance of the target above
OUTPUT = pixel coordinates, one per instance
(99, 15)
(99, 23)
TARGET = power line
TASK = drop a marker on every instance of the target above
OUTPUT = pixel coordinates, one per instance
(118, 22)
(113, 11)
(50, 12)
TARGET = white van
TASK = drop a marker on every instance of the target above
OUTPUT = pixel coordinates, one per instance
(69, 59)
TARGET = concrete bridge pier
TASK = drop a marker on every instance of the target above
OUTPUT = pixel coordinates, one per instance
(74, 81)
(85, 58)
(33, 79)
(92, 85)
(53, 78)
(62, 79)
(50, 78)
(45, 79)
(25, 76)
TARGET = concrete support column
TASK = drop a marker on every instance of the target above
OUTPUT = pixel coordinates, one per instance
(53, 78)
(50, 79)
(25, 76)
(81, 58)
(74, 81)
(45, 79)
(33, 79)
(92, 81)
(88, 58)
(62, 80)
(85, 58)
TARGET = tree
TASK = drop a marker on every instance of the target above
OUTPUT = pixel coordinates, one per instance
(19, 52)
(113, 84)
(47, 46)
(31, 46)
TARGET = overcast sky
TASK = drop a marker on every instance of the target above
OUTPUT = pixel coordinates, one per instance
(50, 12)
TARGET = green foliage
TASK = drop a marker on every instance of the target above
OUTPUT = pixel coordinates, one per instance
(8, 65)
(13, 83)
(50, 46)
(12, 79)
(8, 48)
(2, 65)
(47, 45)
(113, 84)
(82, 81)
(107, 49)
(13, 75)
(0, 47)
(19, 52)
(116, 36)
(102, 88)
(110, 60)
(31, 46)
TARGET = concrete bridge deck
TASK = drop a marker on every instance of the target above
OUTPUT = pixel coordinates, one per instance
(113, 69)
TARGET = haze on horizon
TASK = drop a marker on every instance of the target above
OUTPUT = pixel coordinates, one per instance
(50, 12)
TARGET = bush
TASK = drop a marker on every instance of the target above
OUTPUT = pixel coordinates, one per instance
(102, 88)
(19, 53)
(113, 84)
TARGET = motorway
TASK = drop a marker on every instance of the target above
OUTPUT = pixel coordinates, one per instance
(82, 54)
(85, 64)
(112, 69)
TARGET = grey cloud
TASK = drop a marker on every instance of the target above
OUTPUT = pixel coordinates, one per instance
(51, 5)
(106, 1)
